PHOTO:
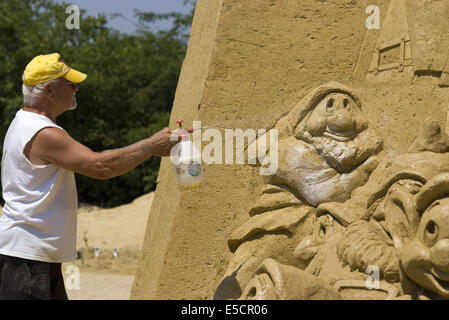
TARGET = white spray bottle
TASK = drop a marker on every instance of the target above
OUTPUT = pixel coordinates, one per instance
(186, 159)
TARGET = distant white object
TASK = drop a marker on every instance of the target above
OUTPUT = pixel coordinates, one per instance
(97, 252)
(115, 252)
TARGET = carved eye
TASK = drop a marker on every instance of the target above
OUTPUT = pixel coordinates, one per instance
(345, 103)
(431, 233)
(330, 105)
(431, 227)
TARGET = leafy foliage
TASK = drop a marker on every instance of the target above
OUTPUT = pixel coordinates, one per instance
(128, 93)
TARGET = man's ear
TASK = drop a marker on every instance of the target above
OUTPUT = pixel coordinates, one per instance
(49, 91)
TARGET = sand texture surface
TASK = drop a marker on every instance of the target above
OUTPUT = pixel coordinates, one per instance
(118, 227)
(101, 286)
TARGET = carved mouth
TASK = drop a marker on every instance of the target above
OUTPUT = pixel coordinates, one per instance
(440, 281)
(337, 136)
(444, 276)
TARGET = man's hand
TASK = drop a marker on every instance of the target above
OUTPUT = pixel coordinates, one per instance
(161, 144)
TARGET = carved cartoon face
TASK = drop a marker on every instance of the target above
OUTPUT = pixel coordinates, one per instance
(433, 234)
(339, 132)
(426, 259)
(336, 117)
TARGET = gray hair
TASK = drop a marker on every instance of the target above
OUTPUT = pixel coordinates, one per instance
(32, 93)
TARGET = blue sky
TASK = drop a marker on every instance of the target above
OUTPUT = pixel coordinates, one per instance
(126, 7)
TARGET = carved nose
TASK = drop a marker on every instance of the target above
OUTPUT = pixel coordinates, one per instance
(342, 121)
(440, 254)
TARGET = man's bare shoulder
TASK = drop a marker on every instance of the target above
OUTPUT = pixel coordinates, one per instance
(50, 143)
(44, 140)
(52, 136)
(57, 146)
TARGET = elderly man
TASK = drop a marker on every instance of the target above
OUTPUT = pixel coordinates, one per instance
(38, 226)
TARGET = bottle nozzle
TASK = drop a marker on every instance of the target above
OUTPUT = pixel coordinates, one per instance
(183, 133)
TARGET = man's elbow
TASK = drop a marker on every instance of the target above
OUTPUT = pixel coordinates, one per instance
(101, 175)
(100, 170)
(96, 173)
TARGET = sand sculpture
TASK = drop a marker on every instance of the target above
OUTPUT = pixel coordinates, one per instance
(396, 222)
(359, 206)
(404, 233)
(327, 148)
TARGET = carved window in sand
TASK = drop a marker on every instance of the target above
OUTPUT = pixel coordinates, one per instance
(391, 55)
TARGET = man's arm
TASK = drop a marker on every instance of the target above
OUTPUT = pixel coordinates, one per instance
(56, 146)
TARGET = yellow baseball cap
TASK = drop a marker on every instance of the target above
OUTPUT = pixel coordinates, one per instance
(47, 67)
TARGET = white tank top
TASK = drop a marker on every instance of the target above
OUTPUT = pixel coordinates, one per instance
(39, 215)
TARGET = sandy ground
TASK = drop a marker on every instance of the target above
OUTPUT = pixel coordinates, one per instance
(105, 277)
(118, 227)
(99, 286)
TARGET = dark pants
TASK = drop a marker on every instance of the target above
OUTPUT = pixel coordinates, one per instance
(22, 279)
